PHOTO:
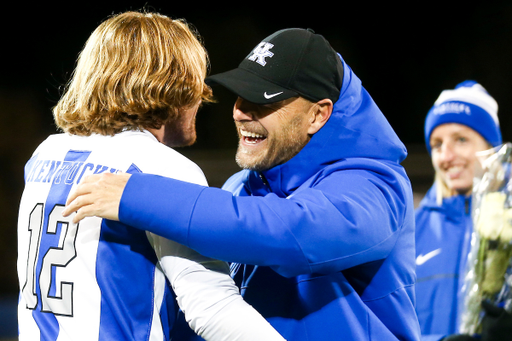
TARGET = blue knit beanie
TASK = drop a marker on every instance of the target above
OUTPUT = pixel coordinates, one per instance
(468, 104)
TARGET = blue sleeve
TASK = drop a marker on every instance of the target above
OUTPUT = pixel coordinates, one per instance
(346, 220)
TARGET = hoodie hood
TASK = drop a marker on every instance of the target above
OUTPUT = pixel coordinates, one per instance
(356, 129)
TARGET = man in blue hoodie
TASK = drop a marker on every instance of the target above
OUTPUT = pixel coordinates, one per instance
(319, 226)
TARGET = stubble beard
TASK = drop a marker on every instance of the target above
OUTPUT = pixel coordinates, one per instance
(282, 146)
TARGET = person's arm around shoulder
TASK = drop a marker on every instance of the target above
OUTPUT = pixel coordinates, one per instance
(209, 298)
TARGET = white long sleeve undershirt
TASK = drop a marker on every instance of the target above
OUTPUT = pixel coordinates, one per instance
(208, 296)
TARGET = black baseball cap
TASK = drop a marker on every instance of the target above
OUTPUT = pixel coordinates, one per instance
(289, 63)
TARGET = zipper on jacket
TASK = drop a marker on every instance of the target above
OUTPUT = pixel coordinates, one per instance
(249, 270)
(264, 180)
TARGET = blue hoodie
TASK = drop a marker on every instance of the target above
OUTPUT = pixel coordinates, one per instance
(443, 236)
(330, 232)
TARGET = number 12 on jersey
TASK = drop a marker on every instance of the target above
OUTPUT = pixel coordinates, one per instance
(52, 245)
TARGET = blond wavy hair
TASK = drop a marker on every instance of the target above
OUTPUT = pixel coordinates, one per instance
(135, 72)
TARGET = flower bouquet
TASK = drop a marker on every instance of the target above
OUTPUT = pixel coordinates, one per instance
(489, 271)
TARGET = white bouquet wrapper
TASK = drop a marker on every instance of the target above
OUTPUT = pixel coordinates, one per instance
(489, 270)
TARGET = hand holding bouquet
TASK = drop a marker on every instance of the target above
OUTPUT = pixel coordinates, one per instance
(489, 275)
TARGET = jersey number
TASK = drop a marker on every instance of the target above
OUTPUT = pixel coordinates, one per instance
(59, 256)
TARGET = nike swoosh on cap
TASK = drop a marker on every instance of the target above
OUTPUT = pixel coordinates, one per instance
(269, 96)
(421, 259)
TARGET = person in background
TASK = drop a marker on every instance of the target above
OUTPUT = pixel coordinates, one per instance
(462, 122)
(135, 92)
(319, 226)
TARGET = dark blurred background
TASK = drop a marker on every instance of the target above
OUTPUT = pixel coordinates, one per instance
(405, 56)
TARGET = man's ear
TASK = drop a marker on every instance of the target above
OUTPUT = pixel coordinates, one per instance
(319, 115)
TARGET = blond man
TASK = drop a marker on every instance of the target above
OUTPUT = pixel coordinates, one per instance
(138, 84)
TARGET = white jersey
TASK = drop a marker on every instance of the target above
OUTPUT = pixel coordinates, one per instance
(103, 280)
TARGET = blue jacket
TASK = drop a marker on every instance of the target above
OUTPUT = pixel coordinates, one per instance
(443, 236)
(331, 231)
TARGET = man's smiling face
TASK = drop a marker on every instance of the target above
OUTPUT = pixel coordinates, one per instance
(270, 134)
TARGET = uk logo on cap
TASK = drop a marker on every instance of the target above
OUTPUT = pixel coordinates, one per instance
(261, 52)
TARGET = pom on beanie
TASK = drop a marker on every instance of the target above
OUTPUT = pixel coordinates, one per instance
(468, 104)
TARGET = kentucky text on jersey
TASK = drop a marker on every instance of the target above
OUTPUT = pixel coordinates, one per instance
(55, 171)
